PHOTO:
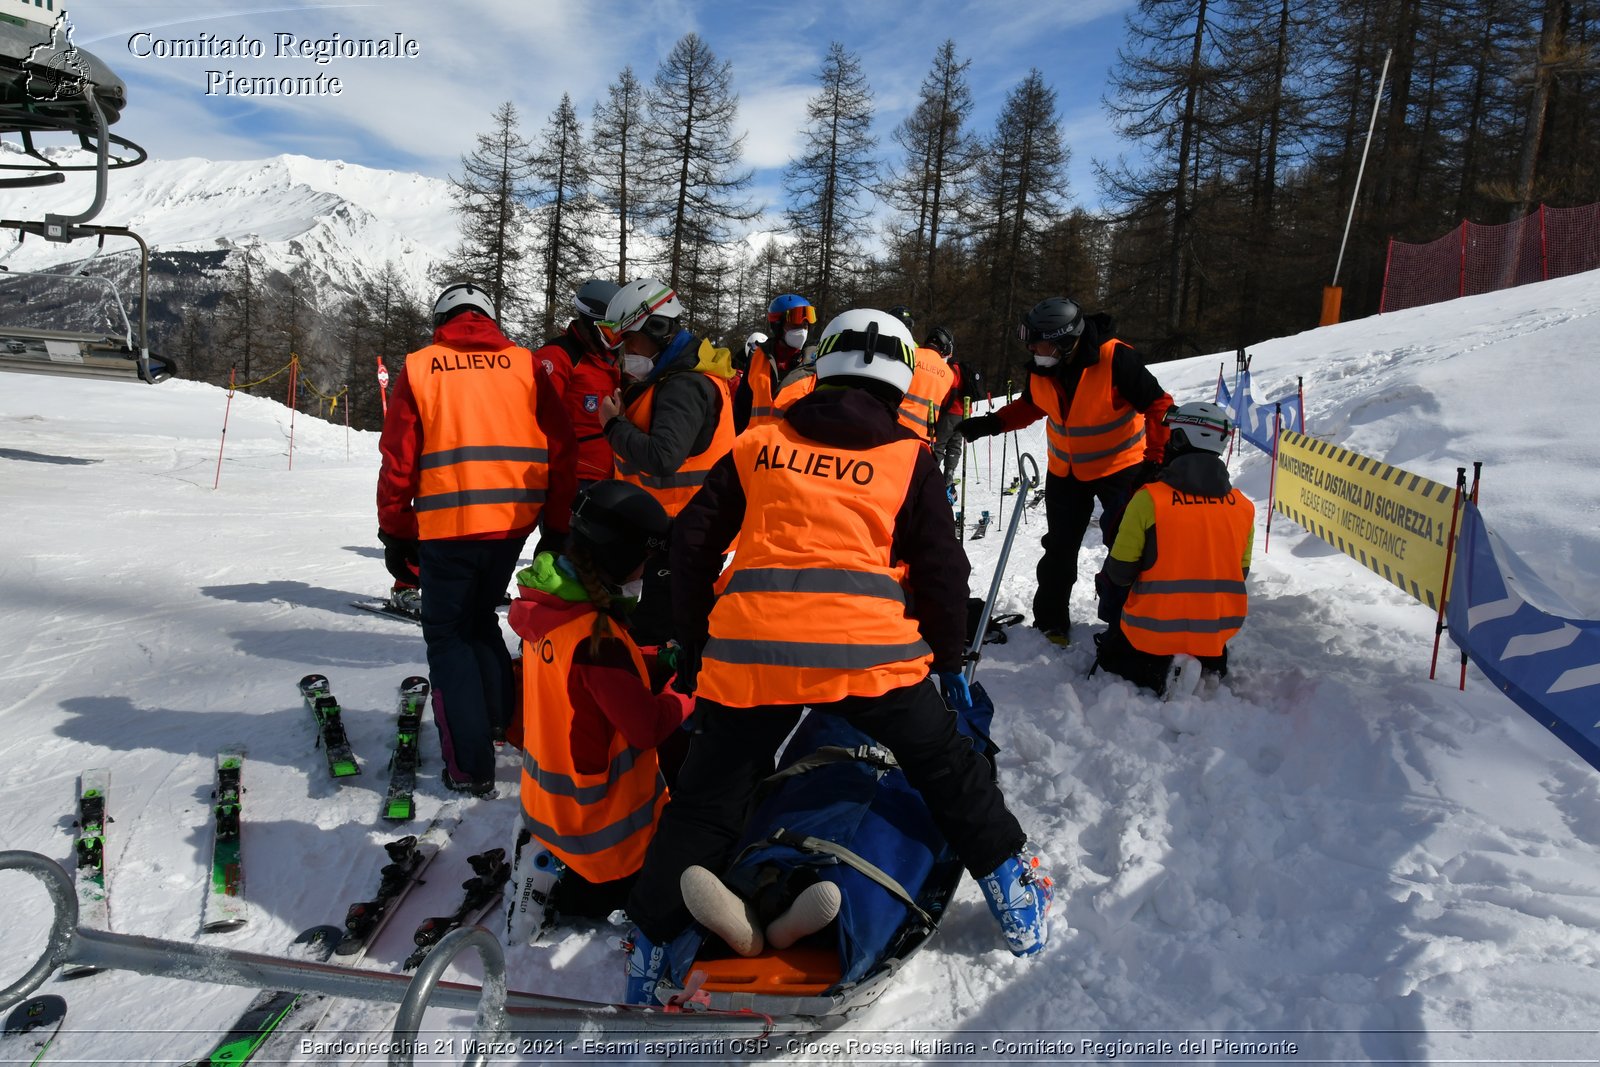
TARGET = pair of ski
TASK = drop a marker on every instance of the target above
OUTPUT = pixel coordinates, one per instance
(278, 1017)
(399, 803)
(225, 907)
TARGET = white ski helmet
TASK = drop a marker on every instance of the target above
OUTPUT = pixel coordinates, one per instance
(867, 345)
(752, 342)
(462, 296)
(647, 306)
(1199, 426)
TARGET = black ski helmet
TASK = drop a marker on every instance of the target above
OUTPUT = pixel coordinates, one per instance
(593, 296)
(941, 341)
(903, 313)
(1051, 319)
(621, 524)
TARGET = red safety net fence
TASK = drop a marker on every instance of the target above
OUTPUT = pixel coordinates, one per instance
(1550, 243)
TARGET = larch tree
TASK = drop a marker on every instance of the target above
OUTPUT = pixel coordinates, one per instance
(829, 181)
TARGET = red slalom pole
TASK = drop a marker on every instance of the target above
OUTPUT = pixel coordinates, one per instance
(1449, 557)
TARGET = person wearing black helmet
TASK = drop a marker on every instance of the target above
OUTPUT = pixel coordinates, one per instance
(476, 450)
(595, 723)
(585, 372)
(1104, 434)
(947, 444)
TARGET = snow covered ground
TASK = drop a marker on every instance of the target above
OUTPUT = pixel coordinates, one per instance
(1330, 851)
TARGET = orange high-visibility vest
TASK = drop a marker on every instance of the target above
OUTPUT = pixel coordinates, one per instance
(761, 377)
(801, 386)
(1193, 599)
(814, 609)
(1100, 434)
(674, 491)
(485, 463)
(598, 824)
(930, 384)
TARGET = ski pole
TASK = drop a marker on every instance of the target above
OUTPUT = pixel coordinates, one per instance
(1027, 481)
(1002, 483)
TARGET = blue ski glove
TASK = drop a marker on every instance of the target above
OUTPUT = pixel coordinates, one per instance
(956, 691)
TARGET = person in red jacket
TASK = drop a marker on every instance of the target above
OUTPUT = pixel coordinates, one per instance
(475, 449)
(585, 372)
(601, 729)
(1104, 436)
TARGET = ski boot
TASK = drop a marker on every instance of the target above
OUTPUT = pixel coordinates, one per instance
(1018, 892)
(406, 598)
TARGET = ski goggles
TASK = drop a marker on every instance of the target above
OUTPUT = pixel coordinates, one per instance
(794, 317)
(610, 333)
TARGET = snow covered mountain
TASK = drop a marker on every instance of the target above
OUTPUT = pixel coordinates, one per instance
(340, 220)
(1330, 851)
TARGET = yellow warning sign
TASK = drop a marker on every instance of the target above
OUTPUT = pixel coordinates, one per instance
(1390, 520)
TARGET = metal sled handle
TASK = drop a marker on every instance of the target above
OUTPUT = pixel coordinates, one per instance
(1028, 475)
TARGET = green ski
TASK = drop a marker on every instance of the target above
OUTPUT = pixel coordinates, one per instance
(330, 726)
(271, 1008)
(225, 905)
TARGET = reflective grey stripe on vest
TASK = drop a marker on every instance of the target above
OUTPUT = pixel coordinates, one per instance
(1091, 431)
(1183, 626)
(468, 497)
(608, 836)
(922, 404)
(762, 412)
(779, 580)
(1191, 585)
(747, 653)
(1059, 428)
(482, 454)
(1120, 446)
(561, 785)
(661, 481)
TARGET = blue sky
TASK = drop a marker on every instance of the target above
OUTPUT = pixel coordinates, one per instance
(421, 113)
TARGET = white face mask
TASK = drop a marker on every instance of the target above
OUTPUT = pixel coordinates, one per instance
(633, 588)
(1046, 361)
(795, 339)
(637, 366)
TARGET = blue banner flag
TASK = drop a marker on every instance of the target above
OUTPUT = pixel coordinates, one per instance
(1548, 663)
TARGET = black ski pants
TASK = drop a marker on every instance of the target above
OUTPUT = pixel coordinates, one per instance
(948, 446)
(1068, 506)
(474, 693)
(733, 753)
(1117, 656)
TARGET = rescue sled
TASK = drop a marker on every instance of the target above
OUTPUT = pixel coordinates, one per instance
(838, 807)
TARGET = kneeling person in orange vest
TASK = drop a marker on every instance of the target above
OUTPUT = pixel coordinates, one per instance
(1173, 607)
(598, 737)
(843, 523)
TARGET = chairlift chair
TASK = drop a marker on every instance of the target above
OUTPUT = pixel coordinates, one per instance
(49, 87)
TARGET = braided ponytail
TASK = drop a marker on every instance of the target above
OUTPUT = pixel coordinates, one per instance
(583, 564)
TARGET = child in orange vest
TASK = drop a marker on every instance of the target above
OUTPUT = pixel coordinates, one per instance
(600, 735)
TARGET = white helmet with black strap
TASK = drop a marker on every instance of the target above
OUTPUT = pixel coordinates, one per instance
(869, 348)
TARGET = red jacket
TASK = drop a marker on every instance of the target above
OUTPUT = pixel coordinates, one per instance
(607, 696)
(583, 377)
(401, 442)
